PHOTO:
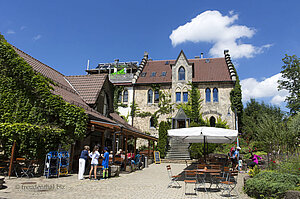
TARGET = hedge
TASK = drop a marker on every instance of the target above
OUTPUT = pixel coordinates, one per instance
(271, 184)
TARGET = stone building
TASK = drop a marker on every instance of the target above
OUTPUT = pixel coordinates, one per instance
(142, 84)
(214, 77)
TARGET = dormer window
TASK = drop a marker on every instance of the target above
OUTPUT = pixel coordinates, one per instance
(164, 73)
(153, 74)
(181, 73)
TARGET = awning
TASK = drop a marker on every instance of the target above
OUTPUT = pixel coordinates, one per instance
(211, 135)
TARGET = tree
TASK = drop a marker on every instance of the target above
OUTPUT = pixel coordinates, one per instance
(193, 107)
(29, 113)
(291, 82)
(252, 118)
(163, 137)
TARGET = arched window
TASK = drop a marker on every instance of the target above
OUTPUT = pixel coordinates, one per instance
(150, 96)
(156, 96)
(125, 96)
(212, 121)
(181, 73)
(152, 122)
(120, 96)
(215, 95)
(207, 95)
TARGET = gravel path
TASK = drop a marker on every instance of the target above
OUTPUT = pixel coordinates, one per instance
(148, 183)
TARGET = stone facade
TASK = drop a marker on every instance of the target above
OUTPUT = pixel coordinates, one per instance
(216, 109)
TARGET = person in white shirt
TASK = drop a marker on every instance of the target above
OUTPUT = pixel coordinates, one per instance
(94, 163)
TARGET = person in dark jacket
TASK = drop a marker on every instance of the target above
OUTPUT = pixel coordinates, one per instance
(82, 160)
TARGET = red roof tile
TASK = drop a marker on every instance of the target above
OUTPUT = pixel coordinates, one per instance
(88, 86)
(62, 87)
(215, 70)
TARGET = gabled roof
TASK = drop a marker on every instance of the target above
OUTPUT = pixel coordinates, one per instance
(205, 70)
(88, 86)
(62, 87)
(180, 115)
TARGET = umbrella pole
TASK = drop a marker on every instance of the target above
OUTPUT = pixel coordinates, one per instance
(204, 151)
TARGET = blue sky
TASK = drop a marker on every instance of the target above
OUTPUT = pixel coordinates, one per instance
(65, 34)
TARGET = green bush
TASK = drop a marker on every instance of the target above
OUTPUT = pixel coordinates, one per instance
(163, 138)
(290, 165)
(271, 184)
(253, 172)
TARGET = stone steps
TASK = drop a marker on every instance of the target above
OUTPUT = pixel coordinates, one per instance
(178, 150)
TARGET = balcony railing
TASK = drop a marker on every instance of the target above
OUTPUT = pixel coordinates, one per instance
(120, 78)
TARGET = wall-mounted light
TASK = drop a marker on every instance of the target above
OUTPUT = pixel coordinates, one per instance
(93, 128)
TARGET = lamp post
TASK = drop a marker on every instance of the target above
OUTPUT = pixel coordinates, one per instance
(235, 116)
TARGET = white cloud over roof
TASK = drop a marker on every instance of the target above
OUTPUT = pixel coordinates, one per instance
(212, 27)
(251, 88)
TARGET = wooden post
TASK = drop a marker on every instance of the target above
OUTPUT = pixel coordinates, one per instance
(114, 148)
(148, 149)
(72, 157)
(126, 139)
(153, 149)
(134, 150)
(102, 141)
(12, 158)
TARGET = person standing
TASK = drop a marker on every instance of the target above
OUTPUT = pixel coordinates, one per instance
(94, 163)
(235, 157)
(82, 160)
(105, 162)
(254, 159)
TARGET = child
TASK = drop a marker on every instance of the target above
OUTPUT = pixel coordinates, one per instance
(94, 163)
(240, 164)
(83, 157)
(105, 163)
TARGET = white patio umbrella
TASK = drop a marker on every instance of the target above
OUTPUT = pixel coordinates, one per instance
(204, 135)
(207, 134)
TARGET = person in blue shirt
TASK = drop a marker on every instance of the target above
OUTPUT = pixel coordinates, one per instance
(82, 160)
(235, 157)
(105, 162)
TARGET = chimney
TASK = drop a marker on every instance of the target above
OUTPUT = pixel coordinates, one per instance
(201, 56)
(226, 52)
(146, 55)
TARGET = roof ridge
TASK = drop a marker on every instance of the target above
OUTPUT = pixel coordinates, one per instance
(37, 60)
(87, 75)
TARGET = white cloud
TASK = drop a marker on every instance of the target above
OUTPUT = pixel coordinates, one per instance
(37, 37)
(10, 32)
(210, 26)
(23, 27)
(251, 88)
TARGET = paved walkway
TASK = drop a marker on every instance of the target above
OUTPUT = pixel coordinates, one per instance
(148, 183)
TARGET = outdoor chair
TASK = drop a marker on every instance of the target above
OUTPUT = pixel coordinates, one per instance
(230, 183)
(190, 178)
(27, 168)
(223, 176)
(173, 178)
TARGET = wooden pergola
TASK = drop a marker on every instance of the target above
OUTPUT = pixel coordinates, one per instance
(126, 131)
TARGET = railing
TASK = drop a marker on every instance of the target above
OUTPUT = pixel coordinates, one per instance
(121, 77)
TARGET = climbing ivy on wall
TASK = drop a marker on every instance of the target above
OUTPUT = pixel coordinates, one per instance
(26, 99)
(164, 107)
(236, 100)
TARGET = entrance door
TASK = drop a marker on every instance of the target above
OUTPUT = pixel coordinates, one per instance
(180, 123)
